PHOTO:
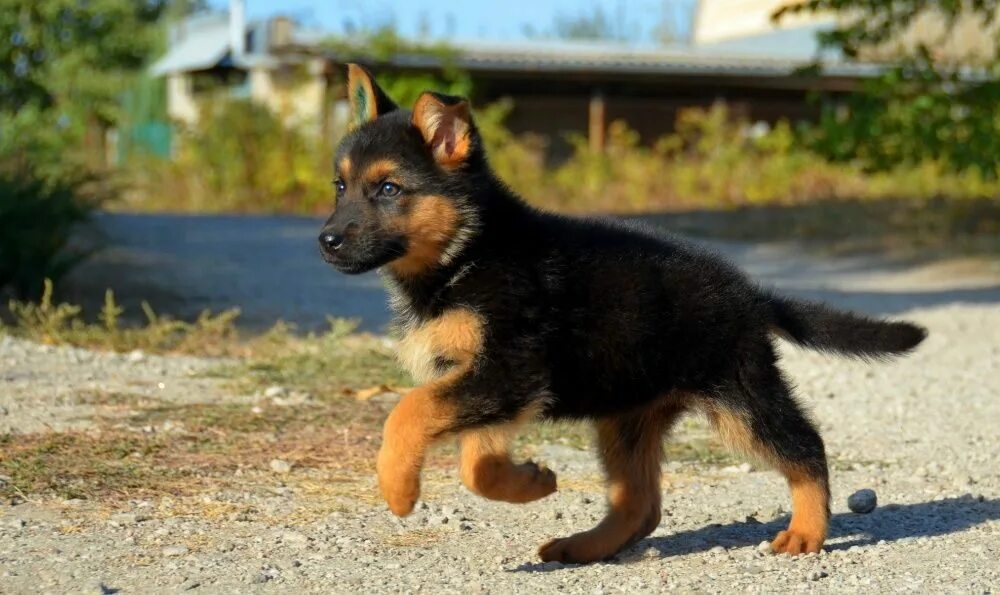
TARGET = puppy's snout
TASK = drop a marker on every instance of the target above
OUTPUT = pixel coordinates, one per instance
(331, 242)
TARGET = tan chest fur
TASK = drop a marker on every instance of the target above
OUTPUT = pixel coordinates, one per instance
(456, 335)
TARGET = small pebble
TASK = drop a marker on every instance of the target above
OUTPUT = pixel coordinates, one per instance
(175, 550)
(862, 501)
(274, 391)
(280, 466)
(17, 523)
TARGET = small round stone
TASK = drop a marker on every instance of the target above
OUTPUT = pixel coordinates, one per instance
(280, 466)
(175, 550)
(862, 501)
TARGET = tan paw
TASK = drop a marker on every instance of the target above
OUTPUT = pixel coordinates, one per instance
(534, 481)
(400, 486)
(796, 542)
(581, 548)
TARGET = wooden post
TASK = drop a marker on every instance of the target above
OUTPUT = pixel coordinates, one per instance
(597, 127)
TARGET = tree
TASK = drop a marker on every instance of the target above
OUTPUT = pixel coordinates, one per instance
(64, 64)
(923, 106)
(595, 25)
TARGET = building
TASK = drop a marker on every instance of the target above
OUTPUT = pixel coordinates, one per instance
(218, 53)
(557, 88)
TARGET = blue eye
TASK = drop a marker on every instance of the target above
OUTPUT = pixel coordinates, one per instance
(340, 186)
(389, 189)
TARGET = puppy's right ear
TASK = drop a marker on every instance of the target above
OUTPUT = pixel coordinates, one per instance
(368, 100)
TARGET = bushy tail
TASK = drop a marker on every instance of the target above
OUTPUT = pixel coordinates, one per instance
(816, 326)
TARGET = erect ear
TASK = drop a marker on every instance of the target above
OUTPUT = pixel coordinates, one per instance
(446, 125)
(368, 100)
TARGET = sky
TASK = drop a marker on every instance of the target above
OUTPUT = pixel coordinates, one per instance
(506, 20)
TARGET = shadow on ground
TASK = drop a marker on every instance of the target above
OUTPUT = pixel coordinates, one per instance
(888, 523)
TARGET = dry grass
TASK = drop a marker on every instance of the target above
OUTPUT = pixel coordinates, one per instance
(186, 454)
(203, 448)
(420, 538)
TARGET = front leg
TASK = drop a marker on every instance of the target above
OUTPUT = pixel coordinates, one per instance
(421, 418)
(487, 468)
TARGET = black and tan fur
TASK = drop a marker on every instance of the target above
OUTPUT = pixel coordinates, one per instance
(509, 314)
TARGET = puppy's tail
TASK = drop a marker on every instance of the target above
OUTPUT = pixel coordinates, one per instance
(813, 325)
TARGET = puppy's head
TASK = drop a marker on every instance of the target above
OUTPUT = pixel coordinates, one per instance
(401, 200)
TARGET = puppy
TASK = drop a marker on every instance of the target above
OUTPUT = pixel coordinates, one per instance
(508, 314)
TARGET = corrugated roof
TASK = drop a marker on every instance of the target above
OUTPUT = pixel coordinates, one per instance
(781, 53)
(203, 42)
(201, 47)
(544, 56)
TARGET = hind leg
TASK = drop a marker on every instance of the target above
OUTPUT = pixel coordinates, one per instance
(630, 449)
(761, 418)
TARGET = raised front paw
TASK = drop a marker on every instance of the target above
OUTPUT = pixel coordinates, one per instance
(399, 484)
(533, 482)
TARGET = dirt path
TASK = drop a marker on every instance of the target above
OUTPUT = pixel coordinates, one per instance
(921, 432)
(269, 267)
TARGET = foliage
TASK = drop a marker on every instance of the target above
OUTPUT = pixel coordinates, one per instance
(37, 218)
(239, 157)
(867, 24)
(57, 50)
(714, 160)
(596, 25)
(62, 324)
(63, 67)
(383, 44)
(335, 359)
(63, 64)
(925, 106)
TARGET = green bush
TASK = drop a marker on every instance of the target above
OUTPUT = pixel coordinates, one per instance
(37, 218)
(240, 157)
(713, 160)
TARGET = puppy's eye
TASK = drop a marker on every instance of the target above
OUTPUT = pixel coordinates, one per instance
(340, 186)
(389, 189)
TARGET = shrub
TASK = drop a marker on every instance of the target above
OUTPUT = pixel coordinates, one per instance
(37, 219)
(240, 157)
(713, 160)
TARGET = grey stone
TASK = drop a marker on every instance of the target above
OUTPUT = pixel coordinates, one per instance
(172, 551)
(862, 501)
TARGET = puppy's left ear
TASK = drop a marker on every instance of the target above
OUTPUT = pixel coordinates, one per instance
(368, 100)
(445, 122)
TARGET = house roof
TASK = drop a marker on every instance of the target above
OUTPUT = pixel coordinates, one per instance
(204, 41)
(768, 56)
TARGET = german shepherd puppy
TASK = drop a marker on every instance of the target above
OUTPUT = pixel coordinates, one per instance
(508, 314)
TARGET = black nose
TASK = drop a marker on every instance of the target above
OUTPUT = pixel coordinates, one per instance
(331, 241)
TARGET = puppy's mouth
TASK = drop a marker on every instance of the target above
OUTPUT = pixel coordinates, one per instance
(345, 265)
(351, 265)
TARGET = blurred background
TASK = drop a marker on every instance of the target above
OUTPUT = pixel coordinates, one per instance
(179, 151)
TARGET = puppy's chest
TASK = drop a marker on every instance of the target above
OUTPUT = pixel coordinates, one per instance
(433, 347)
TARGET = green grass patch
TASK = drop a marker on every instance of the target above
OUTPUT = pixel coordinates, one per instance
(63, 324)
(323, 363)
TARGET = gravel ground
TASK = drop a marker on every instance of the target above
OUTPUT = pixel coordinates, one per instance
(921, 432)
